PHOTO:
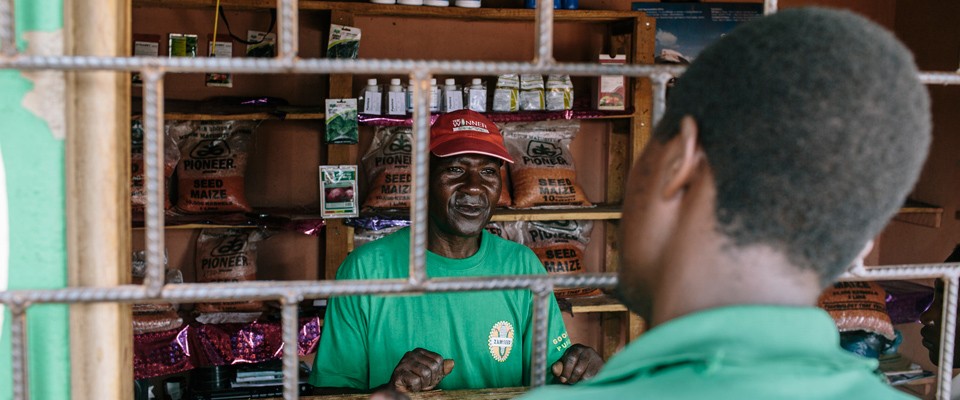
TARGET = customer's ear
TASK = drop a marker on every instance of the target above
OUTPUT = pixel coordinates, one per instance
(683, 156)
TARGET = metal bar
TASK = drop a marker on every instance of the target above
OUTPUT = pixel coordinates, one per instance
(153, 144)
(289, 29)
(544, 34)
(421, 166)
(659, 85)
(541, 321)
(8, 29)
(242, 65)
(947, 330)
(18, 351)
(940, 78)
(769, 7)
(905, 271)
(291, 370)
(193, 292)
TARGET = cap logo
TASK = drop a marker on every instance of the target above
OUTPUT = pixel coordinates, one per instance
(461, 124)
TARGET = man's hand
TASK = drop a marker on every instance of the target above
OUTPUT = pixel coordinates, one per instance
(419, 370)
(578, 363)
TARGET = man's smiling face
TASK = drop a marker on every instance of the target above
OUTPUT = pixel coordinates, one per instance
(463, 191)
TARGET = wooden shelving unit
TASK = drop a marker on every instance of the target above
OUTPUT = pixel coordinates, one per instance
(390, 10)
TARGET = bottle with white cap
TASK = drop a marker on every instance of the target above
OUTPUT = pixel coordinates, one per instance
(436, 3)
(434, 96)
(384, 1)
(371, 98)
(476, 96)
(467, 3)
(410, 2)
(396, 98)
(452, 96)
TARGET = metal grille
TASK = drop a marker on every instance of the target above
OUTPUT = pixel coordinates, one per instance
(290, 293)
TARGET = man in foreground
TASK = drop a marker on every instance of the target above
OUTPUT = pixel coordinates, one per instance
(479, 339)
(785, 148)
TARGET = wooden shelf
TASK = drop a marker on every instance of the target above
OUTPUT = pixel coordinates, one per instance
(920, 213)
(600, 212)
(596, 304)
(189, 110)
(393, 10)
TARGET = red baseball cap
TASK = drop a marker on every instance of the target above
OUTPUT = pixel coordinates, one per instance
(467, 132)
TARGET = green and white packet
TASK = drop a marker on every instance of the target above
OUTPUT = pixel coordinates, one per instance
(559, 92)
(338, 184)
(342, 126)
(344, 42)
(182, 45)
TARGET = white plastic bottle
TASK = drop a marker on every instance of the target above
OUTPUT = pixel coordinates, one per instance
(434, 96)
(467, 3)
(452, 96)
(396, 99)
(476, 96)
(436, 3)
(409, 97)
(371, 98)
(410, 2)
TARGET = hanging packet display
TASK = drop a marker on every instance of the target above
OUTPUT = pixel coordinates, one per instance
(386, 166)
(338, 184)
(212, 167)
(543, 174)
(342, 126)
(344, 42)
(559, 245)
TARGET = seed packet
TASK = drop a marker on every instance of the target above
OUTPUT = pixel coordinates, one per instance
(342, 127)
(264, 44)
(559, 92)
(531, 92)
(386, 167)
(338, 183)
(213, 162)
(344, 42)
(506, 97)
(543, 173)
(228, 255)
(182, 45)
(223, 48)
(144, 46)
(858, 306)
(559, 245)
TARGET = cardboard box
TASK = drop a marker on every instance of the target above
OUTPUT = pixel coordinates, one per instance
(611, 89)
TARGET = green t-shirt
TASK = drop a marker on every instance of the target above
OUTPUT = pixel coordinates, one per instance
(739, 352)
(487, 333)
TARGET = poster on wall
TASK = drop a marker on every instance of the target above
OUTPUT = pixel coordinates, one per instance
(685, 29)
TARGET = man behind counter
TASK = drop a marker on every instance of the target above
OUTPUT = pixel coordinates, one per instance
(785, 147)
(446, 340)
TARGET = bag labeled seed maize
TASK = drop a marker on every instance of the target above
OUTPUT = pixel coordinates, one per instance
(387, 168)
(559, 245)
(543, 174)
(212, 167)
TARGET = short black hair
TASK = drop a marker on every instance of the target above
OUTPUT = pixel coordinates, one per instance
(816, 127)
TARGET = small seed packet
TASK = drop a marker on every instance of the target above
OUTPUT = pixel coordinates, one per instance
(344, 42)
(342, 126)
(265, 44)
(144, 46)
(182, 45)
(223, 48)
(338, 184)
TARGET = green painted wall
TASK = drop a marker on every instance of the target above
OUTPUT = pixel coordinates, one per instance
(33, 160)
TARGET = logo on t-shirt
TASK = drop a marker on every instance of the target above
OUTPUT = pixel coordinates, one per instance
(501, 340)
